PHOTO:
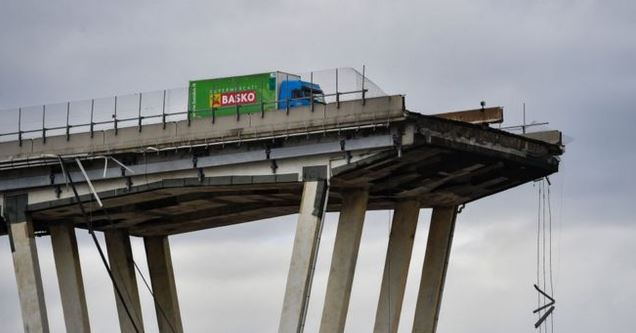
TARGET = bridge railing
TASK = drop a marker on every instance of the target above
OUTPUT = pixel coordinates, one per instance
(136, 110)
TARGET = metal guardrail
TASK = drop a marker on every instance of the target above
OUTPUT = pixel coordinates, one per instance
(165, 115)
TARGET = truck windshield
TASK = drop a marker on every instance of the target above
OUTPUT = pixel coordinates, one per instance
(318, 94)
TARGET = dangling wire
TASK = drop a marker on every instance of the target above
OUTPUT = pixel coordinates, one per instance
(550, 251)
(388, 263)
(543, 238)
(545, 300)
(91, 231)
(110, 221)
(538, 252)
(163, 313)
(143, 278)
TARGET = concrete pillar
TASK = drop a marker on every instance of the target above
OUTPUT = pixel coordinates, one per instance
(438, 246)
(69, 278)
(343, 261)
(122, 265)
(163, 284)
(396, 266)
(303, 258)
(26, 265)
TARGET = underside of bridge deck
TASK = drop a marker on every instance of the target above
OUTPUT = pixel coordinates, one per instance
(451, 169)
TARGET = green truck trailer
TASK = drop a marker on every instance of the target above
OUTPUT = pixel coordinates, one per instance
(250, 94)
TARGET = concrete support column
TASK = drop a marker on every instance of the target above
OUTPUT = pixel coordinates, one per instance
(303, 258)
(163, 284)
(69, 278)
(438, 246)
(122, 265)
(343, 261)
(396, 266)
(26, 265)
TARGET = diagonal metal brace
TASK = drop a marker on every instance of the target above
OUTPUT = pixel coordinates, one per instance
(549, 305)
(544, 317)
(552, 301)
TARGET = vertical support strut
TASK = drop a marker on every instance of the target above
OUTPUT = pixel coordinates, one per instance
(68, 127)
(364, 91)
(308, 228)
(163, 284)
(115, 117)
(311, 81)
(69, 278)
(43, 123)
(337, 92)
(438, 246)
(139, 117)
(20, 127)
(163, 110)
(396, 266)
(26, 265)
(343, 261)
(92, 125)
(122, 266)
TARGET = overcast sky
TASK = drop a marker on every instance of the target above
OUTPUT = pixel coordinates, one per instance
(572, 62)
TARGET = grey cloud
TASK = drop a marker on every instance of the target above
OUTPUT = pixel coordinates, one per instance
(572, 62)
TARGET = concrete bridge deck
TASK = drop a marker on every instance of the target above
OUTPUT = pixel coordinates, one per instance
(395, 153)
(190, 176)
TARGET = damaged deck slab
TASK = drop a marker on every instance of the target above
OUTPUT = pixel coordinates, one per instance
(211, 180)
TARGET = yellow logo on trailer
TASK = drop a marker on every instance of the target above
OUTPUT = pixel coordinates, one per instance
(215, 100)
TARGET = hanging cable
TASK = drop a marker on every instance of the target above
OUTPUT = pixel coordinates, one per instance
(550, 250)
(538, 251)
(111, 223)
(163, 313)
(545, 296)
(388, 263)
(143, 278)
(543, 240)
(91, 231)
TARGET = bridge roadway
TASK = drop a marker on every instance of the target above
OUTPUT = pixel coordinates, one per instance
(186, 176)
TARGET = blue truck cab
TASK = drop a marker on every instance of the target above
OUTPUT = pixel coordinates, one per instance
(299, 93)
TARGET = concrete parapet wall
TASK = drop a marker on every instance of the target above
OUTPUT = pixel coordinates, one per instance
(203, 130)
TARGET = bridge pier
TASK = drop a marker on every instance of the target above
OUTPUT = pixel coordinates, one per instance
(305, 250)
(396, 266)
(438, 246)
(69, 277)
(121, 263)
(163, 284)
(26, 265)
(343, 261)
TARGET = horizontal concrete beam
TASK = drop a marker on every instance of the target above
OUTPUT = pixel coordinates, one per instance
(46, 178)
(492, 115)
(553, 137)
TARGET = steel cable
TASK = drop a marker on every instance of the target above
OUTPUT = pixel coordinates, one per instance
(91, 231)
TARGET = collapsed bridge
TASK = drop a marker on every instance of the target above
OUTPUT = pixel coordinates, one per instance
(168, 178)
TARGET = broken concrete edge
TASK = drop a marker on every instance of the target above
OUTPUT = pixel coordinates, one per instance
(552, 137)
(432, 121)
(545, 161)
